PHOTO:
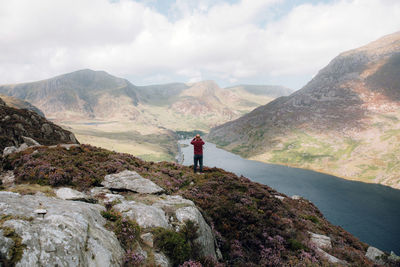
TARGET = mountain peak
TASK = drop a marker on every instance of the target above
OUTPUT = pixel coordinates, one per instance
(384, 45)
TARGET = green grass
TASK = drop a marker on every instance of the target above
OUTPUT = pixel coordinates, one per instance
(389, 134)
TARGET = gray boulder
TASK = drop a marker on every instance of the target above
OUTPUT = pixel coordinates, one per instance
(69, 194)
(7, 178)
(147, 239)
(132, 181)
(330, 258)
(183, 209)
(374, 255)
(9, 150)
(146, 216)
(206, 238)
(71, 233)
(320, 241)
(22, 147)
(161, 260)
(29, 141)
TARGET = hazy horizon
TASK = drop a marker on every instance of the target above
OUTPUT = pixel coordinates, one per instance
(232, 42)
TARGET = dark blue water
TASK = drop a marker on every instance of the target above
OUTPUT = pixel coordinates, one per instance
(371, 212)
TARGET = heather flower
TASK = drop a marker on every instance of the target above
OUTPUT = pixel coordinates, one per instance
(133, 259)
(191, 263)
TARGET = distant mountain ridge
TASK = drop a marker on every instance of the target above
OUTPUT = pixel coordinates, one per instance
(88, 94)
(107, 111)
(344, 121)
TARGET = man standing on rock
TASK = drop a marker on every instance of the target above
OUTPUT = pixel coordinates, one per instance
(198, 143)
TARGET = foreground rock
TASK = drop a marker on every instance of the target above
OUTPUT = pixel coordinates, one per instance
(170, 212)
(375, 255)
(322, 242)
(71, 233)
(132, 181)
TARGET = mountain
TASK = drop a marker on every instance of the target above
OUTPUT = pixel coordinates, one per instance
(111, 112)
(20, 104)
(87, 94)
(16, 124)
(82, 94)
(343, 122)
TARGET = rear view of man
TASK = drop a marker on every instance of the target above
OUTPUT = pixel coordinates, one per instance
(198, 143)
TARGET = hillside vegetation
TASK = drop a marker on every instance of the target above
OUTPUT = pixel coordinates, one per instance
(253, 224)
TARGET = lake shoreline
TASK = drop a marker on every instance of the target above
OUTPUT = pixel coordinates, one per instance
(367, 210)
(315, 170)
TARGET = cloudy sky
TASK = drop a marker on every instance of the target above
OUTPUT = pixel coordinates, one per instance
(158, 41)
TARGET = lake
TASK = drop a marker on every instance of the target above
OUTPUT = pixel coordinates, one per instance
(370, 212)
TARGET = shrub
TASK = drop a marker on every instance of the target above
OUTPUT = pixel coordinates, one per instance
(126, 230)
(111, 215)
(295, 245)
(133, 259)
(191, 263)
(173, 244)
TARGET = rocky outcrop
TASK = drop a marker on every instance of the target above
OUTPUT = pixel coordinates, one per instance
(19, 104)
(70, 234)
(322, 243)
(169, 212)
(132, 181)
(375, 255)
(19, 126)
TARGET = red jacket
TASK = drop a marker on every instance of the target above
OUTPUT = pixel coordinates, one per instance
(198, 146)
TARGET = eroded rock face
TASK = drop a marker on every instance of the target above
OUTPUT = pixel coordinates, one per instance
(71, 233)
(132, 181)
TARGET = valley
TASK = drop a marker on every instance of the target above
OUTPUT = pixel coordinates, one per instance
(110, 112)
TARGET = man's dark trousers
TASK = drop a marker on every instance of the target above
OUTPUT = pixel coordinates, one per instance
(199, 159)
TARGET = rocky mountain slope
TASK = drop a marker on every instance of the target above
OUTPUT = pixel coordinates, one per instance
(20, 104)
(345, 121)
(79, 95)
(113, 209)
(17, 124)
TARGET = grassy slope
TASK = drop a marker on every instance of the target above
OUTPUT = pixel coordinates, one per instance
(147, 137)
(252, 227)
(370, 155)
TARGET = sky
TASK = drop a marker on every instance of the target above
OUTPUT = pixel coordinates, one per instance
(281, 42)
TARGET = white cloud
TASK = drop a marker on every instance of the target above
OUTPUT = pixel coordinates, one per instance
(201, 39)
